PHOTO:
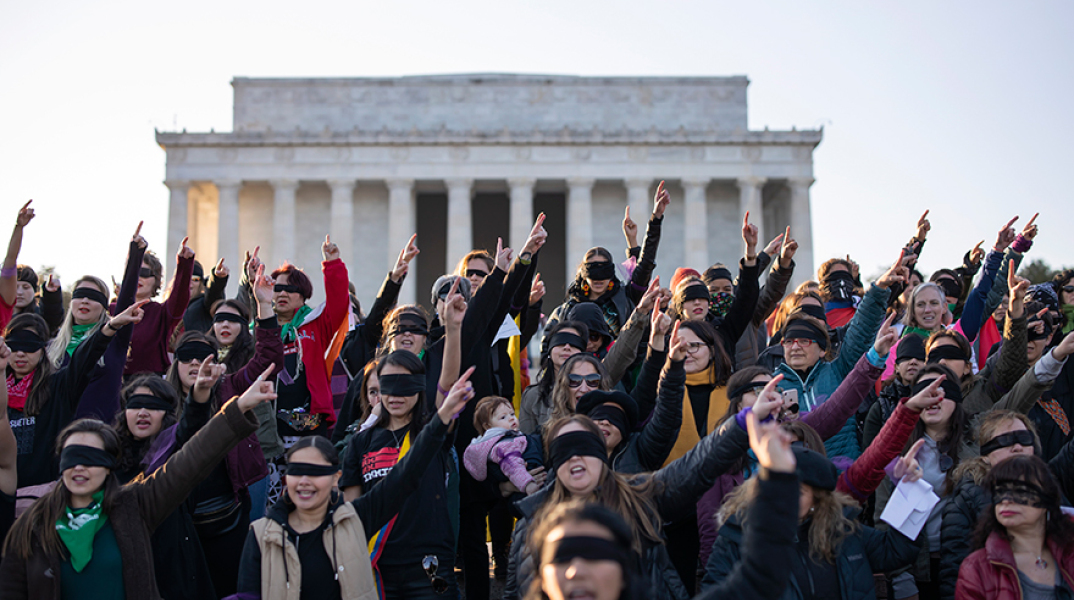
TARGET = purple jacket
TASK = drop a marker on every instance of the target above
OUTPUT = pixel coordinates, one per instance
(497, 447)
(245, 463)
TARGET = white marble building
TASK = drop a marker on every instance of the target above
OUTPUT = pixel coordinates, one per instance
(461, 159)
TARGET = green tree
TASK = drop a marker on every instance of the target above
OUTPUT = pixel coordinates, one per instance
(1037, 271)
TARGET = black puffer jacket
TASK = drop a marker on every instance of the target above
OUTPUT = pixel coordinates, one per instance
(677, 489)
(646, 450)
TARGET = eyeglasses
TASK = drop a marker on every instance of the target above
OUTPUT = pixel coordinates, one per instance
(693, 347)
(430, 563)
(145, 272)
(800, 342)
(757, 389)
(592, 380)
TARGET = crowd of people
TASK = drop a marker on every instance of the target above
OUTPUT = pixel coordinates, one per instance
(721, 437)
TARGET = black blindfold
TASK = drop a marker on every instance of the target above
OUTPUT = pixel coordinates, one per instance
(298, 469)
(87, 456)
(566, 337)
(401, 385)
(148, 402)
(90, 294)
(575, 443)
(599, 271)
(951, 389)
(24, 340)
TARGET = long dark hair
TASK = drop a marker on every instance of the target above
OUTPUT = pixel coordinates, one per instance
(548, 371)
(720, 360)
(133, 449)
(242, 349)
(576, 511)
(364, 404)
(957, 425)
(420, 413)
(1058, 528)
(172, 376)
(37, 526)
(39, 391)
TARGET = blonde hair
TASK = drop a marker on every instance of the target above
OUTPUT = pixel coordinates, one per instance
(57, 349)
(828, 526)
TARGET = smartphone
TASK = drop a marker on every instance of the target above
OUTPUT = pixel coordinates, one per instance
(790, 397)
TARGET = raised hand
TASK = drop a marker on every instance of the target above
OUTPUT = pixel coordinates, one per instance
(630, 230)
(923, 227)
(132, 315)
(503, 256)
(1029, 232)
(659, 323)
(899, 271)
(138, 239)
(407, 254)
(648, 299)
(457, 397)
(660, 201)
(221, 271)
(787, 250)
(184, 250)
(855, 268)
(537, 290)
(930, 396)
(26, 214)
(749, 236)
(251, 263)
(208, 374)
(777, 242)
(771, 445)
(262, 285)
(977, 255)
(1065, 347)
(906, 467)
(769, 401)
(536, 240)
(1005, 236)
(454, 307)
(1017, 287)
(886, 337)
(677, 351)
(261, 390)
(53, 283)
(329, 250)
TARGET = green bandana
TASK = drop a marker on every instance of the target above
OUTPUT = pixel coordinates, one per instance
(78, 333)
(924, 333)
(78, 528)
(289, 332)
(1068, 310)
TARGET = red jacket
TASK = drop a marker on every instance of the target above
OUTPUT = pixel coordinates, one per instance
(149, 341)
(317, 334)
(867, 473)
(991, 572)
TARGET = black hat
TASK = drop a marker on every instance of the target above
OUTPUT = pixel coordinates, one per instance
(199, 271)
(593, 399)
(590, 314)
(814, 469)
(910, 346)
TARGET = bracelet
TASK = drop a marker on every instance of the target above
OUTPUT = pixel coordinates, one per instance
(9, 271)
(440, 389)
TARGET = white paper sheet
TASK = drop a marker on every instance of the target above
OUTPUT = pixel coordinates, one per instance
(508, 329)
(909, 507)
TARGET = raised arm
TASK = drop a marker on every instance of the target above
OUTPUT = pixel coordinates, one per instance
(217, 288)
(1010, 362)
(866, 474)
(179, 294)
(625, 349)
(740, 314)
(377, 505)
(454, 315)
(870, 314)
(389, 293)
(657, 438)
(268, 349)
(639, 279)
(337, 300)
(778, 278)
(76, 375)
(8, 277)
(645, 388)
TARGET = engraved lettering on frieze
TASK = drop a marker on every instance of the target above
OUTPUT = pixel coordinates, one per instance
(399, 153)
(285, 154)
(227, 155)
(459, 153)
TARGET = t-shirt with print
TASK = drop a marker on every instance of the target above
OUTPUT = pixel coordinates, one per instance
(422, 526)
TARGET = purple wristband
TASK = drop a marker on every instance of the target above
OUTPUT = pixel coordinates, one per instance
(9, 271)
(740, 418)
(1021, 244)
(441, 390)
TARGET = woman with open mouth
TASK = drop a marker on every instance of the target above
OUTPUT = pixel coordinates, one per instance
(87, 313)
(92, 532)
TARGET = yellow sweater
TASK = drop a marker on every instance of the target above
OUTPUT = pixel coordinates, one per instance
(718, 404)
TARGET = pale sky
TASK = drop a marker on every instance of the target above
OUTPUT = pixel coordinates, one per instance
(962, 107)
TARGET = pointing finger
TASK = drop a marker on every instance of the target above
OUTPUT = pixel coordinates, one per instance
(267, 372)
(1009, 223)
(138, 231)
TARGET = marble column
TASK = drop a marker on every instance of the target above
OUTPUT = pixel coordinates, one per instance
(460, 239)
(521, 211)
(801, 228)
(283, 220)
(696, 243)
(342, 226)
(178, 192)
(579, 220)
(227, 226)
(641, 205)
(750, 189)
(402, 223)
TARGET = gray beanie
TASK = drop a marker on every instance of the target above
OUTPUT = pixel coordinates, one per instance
(444, 283)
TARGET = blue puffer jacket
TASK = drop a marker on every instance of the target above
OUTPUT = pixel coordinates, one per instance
(862, 552)
(825, 376)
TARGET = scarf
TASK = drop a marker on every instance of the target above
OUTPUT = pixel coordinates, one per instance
(289, 331)
(924, 333)
(78, 333)
(989, 336)
(78, 527)
(380, 538)
(718, 404)
(19, 391)
(839, 313)
(1068, 310)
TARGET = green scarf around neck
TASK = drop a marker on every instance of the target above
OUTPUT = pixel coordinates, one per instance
(1068, 310)
(77, 529)
(289, 331)
(78, 333)
(924, 333)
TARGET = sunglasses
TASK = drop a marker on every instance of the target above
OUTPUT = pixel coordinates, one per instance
(591, 381)
(145, 272)
(430, 563)
(800, 342)
(285, 287)
(1068, 289)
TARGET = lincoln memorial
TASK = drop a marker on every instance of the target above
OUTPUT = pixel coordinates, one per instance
(462, 159)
